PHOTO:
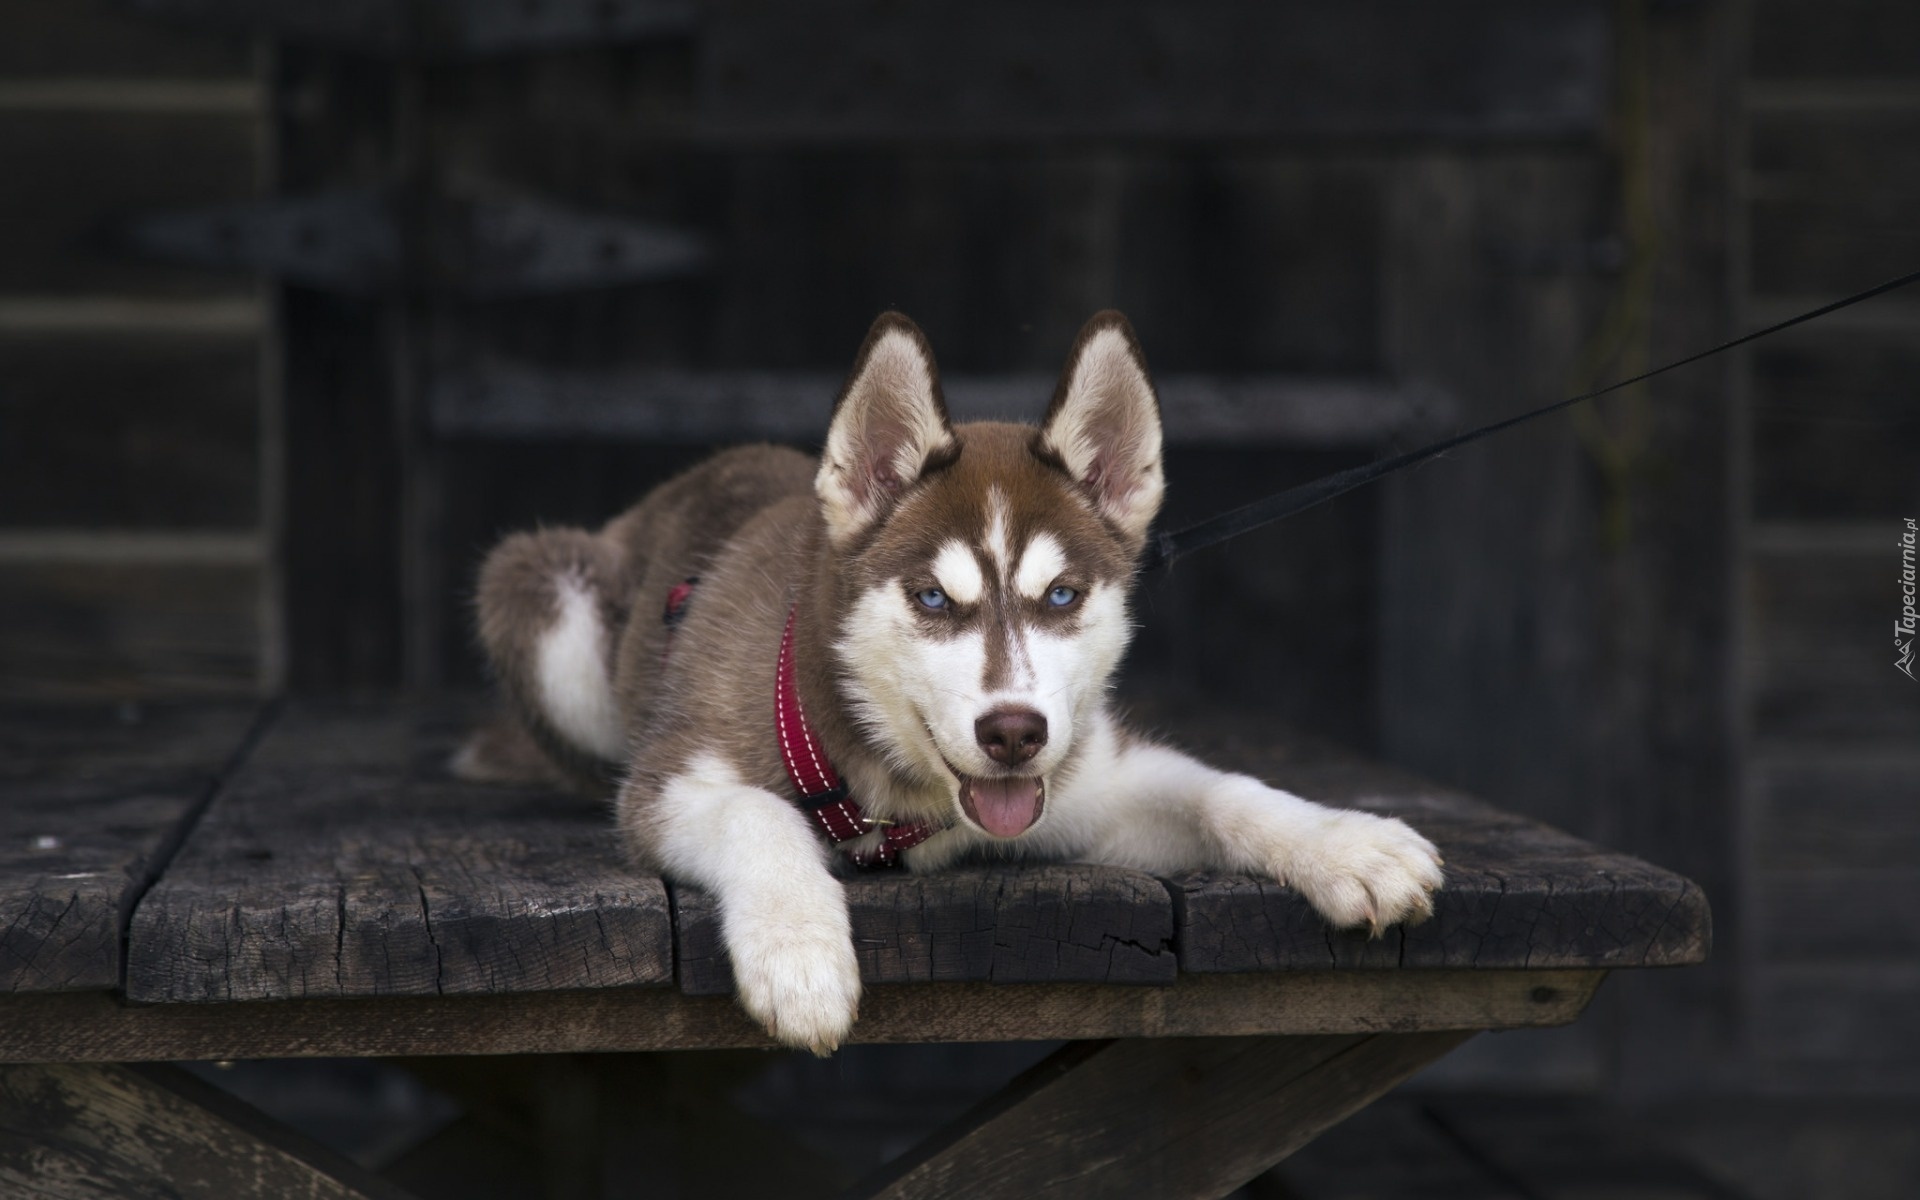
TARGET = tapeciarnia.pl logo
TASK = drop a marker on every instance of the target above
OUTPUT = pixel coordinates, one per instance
(1903, 628)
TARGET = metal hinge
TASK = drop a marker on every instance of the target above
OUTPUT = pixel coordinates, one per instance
(383, 241)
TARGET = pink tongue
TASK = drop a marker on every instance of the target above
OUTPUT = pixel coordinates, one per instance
(1004, 807)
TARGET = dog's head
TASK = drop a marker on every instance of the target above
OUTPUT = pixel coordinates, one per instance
(986, 566)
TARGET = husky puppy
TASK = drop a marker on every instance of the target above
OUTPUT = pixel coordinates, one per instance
(903, 648)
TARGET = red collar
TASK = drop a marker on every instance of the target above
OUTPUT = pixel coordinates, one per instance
(822, 793)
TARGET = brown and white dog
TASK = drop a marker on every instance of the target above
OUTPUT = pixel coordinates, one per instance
(943, 606)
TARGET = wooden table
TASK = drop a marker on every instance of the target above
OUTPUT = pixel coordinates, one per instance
(212, 882)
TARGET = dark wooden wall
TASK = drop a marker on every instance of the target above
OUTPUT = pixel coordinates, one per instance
(517, 274)
(1828, 175)
(133, 543)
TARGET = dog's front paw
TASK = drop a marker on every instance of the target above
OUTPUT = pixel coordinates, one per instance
(1359, 869)
(804, 988)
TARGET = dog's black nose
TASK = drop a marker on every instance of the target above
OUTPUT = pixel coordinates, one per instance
(1011, 735)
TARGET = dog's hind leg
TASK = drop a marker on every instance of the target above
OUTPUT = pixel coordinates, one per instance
(552, 605)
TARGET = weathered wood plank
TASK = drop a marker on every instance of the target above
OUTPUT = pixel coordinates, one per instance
(130, 433)
(77, 631)
(1049, 924)
(74, 1131)
(92, 799)
(87, 1027)
(1493, 68)
(344, 862)
(1167, 1117)
(1517, 893)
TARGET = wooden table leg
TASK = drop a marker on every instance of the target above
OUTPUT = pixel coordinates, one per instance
(75, 1130)
(1163, 1117)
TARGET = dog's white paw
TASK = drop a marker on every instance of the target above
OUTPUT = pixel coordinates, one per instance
(804, 988)
(1359, 869)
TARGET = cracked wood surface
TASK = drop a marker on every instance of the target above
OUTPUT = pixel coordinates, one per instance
(92, 799)
(1518, 894)
(1005, 924)
(341, 860)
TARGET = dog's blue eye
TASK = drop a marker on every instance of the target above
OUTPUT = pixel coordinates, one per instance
(1060, 597)
(931, 598)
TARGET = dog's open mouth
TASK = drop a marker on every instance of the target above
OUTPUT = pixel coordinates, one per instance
(1005, 806)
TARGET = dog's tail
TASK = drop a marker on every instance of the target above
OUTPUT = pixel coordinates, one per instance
(551, 605)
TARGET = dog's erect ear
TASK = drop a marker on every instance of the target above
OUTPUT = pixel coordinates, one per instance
(1104, 424)
(889, 424)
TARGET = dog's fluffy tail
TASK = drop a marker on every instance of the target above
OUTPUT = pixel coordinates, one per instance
(551, 605)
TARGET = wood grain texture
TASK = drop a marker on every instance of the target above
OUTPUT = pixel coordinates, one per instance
(1517, 894)
(342, 861)
(91, 798)
(1047, 924)
(1172, 1117)
(74, 1131)
(93, 1027)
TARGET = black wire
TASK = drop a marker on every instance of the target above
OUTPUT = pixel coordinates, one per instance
(1165, 547)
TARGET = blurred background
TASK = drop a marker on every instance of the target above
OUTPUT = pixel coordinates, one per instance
(301, 306)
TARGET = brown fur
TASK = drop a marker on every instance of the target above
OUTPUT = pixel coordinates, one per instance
(849, 549)
(748, 524)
